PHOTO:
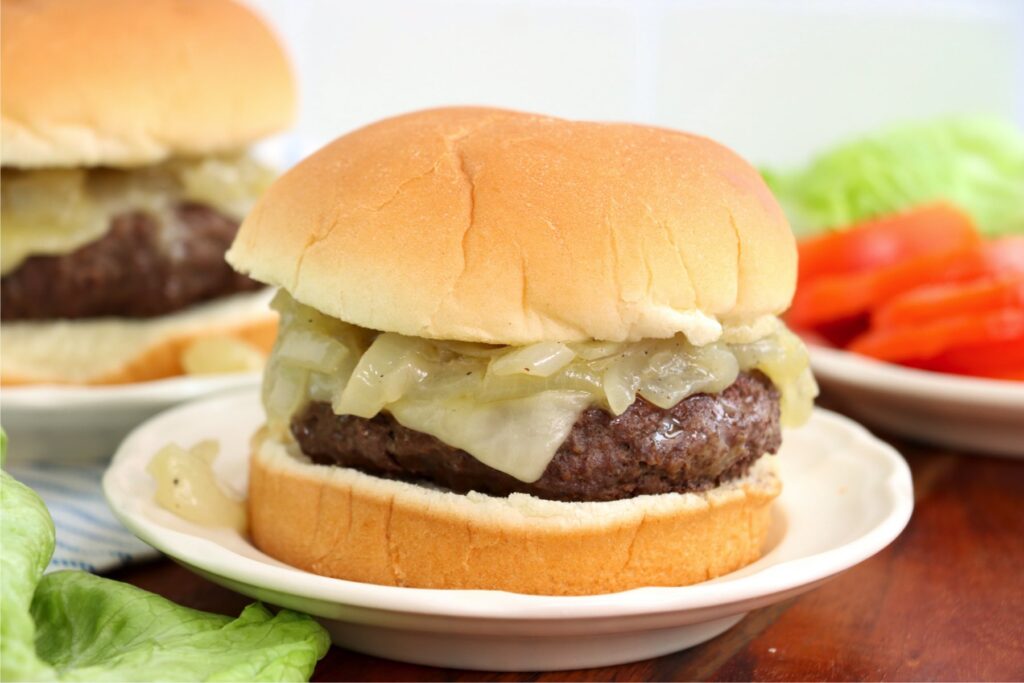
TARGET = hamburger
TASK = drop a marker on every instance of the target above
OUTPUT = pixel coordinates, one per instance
(125, 173)
(521, 353)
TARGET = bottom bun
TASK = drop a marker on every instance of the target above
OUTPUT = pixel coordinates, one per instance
(340, 522)
(124, 350)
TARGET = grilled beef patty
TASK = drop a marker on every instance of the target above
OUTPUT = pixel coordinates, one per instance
(703, 441)
(138, 269)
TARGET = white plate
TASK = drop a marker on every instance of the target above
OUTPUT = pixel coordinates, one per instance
(963, 412)
(88, 422)
(846, 496)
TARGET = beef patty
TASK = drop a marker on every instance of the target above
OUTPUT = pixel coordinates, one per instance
(702, 441)
(139, 268)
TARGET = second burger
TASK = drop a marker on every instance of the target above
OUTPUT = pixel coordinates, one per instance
(125, 175)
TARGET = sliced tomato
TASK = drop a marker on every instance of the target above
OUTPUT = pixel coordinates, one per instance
(836, 297)
(1001, 359)
(1004, 255)
(933, 302)
(885, 241)
(927, 341)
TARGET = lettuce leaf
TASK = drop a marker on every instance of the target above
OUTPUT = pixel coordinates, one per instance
(73, 626)
(28, 539)
(128, 634)
(975, 162)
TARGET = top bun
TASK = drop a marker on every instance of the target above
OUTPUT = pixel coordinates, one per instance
(126, 82)
(510, 228)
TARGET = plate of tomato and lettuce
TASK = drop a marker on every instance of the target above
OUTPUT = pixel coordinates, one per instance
(910, 289)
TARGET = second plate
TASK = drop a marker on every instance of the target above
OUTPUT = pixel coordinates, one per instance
(983, 415)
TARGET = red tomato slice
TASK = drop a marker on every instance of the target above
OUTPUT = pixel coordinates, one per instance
(927, 341)
(836, 297)
(885, 241)
(1004, 255)
(1001, 360)
(933, 302)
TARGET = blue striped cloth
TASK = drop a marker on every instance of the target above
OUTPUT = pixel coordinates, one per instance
(89, 537)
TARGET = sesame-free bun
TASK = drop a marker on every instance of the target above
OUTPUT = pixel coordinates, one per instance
(126, 350)
(343, 523)
(511, 228)
(126, 82)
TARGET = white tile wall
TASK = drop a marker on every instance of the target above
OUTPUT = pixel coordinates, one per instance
(775, 79)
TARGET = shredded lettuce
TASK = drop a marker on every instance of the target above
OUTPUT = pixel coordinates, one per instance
(975, 162)
(73, 626)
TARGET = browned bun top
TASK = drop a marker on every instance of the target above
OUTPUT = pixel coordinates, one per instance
(125, 82)
(511, 228)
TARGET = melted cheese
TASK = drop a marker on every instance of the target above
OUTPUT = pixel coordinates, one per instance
(509, 407)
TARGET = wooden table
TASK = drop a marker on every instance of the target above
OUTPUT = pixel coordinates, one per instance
(944, 602)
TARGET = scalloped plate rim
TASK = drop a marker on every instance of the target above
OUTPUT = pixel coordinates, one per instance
(213, 558)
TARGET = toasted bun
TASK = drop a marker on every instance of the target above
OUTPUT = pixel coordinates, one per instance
(123, 82)
(342, 523)
(123, 350)
(510, 228)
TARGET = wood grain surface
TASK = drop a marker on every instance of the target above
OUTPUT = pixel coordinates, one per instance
(944, 602)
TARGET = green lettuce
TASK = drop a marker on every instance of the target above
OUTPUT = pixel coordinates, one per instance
(975, 162)
(73, 626)
(28, 537)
